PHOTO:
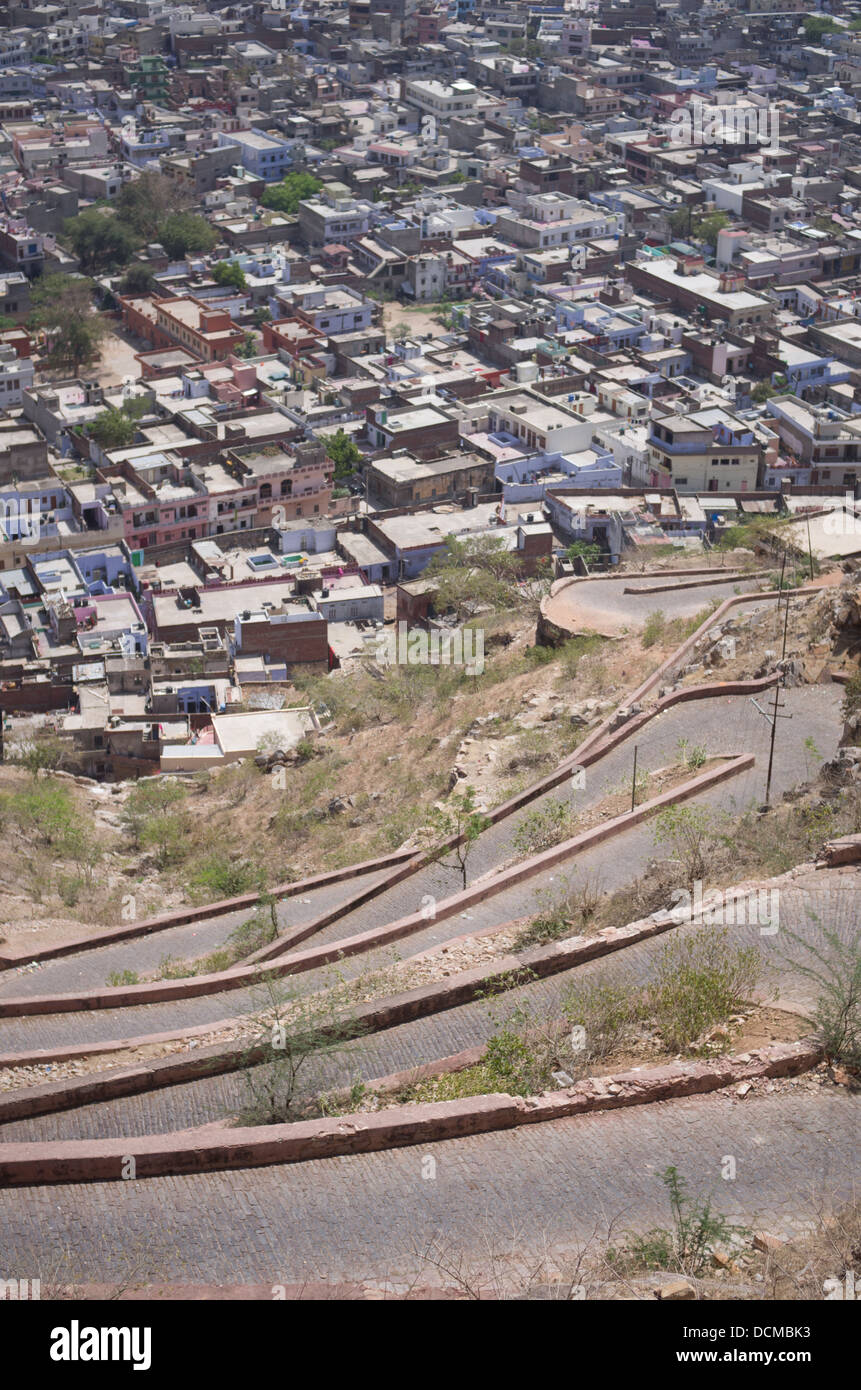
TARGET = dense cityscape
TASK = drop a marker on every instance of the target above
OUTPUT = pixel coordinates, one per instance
(430, 656)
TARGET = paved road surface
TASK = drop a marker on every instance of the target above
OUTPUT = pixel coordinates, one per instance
(367, 1216)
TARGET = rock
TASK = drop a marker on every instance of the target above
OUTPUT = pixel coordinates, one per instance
(337, 806)
(722, 1261)
(743, 1089)
(678, 1289)
(763, 1241)
(841, 1077)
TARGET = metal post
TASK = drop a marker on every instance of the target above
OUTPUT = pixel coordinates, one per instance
(774, 712)
(809, 546)
(634, 781)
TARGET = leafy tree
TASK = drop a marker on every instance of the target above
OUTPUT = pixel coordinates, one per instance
(44, 753)
(145, 203)
(248, 346)
(681, 221)
(63, 308)
(99, 240)
(698, 226)
(116, 427)
(586, 551)
(261, 316)
(138, 279)
(290, 192)
(343, 453)
(452, 831)
(481, 571)
(229, 273)
(707, 227)
(183, 233)
(815, 25)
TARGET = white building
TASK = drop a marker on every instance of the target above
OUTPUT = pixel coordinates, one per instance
(16, 375)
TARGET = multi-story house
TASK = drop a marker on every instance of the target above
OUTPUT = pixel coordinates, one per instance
(708, 451)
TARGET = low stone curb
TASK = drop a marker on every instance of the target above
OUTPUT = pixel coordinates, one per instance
(375, 1016)
(700, 583)
(189, 1151)
(127, 931)
(125, 996)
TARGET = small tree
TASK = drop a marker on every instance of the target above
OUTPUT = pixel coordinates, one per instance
(45, 753)
(248, 346)
(686, 1247)
(154, 818)
(298, 1030)
(343, 453)
(229, 273)
(688, 832)
(586, 551)
(453, 830)
(544, 827)
(116, 426)
(290, 192)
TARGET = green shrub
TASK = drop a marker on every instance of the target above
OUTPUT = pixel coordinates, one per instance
(830, 961)
(653, 630)
(544, 827)
(252, 935)
(701, 980)
(123, 977)
(685, 1248)
(605, 1012)
(216, 877)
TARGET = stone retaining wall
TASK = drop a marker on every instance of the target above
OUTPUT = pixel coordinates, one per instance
(215, 1149)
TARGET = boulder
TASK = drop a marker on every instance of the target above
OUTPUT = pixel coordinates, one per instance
(676, 1290)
